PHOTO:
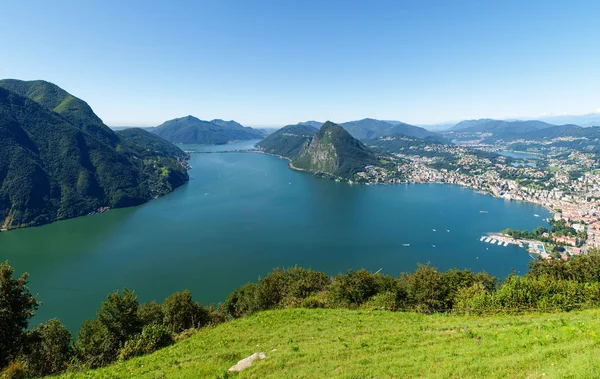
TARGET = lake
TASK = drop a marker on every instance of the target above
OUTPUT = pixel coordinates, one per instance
(243, 214)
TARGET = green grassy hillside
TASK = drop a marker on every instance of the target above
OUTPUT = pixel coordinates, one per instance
(343, 343)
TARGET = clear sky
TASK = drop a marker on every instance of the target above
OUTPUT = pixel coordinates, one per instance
(279, 62)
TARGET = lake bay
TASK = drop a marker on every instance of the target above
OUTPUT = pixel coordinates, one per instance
(243, 214)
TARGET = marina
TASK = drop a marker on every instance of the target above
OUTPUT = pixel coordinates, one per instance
(533, 247)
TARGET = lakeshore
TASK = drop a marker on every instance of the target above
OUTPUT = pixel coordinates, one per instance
(240, 216)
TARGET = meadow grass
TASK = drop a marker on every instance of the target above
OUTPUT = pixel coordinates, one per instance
(303, 343)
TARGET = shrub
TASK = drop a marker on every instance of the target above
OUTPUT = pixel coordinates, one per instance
(315, 301)
(452, 281)
(152, 338)
(48, 349)
(300, 283)
(356, 287)
(96, 346)
(151, 313)
(243, 301)
(119, 314)
(182, 313)
(424, 289)
(384, 301)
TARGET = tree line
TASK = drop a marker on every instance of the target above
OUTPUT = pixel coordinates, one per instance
(124, 328)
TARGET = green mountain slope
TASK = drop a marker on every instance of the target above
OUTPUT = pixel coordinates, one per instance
(53, 169)
(193, 130)
(73, 109)
(369, 128)
(333, 151)
(145, 143)
(303, 343)
(399, 143)
(288, 141)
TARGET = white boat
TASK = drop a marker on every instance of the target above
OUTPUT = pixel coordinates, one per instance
(482, 238)
(494, 241)
(432, 245)
(488, 239)
(536, 215)
(406, 244)
(505, 244)
(500, 243)
(448, 230)
(434, 230)
(483, 211)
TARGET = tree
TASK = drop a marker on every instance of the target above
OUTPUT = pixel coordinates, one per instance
(182, 313)
(95, 345)
(17, 306)
(119, 314)
(48, 349)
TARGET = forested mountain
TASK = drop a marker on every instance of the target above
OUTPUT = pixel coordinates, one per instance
(74, 110)
(399, 143)
(193, 130)
(369, 128)
(333, 151)
(147, 144)
(288, 141)
(314, 124)
(58, 160)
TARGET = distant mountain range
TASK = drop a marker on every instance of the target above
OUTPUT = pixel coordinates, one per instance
(487, 125)
(370, 128)
(58, 159)
(192, 130)
(495, 130)
(585, 120)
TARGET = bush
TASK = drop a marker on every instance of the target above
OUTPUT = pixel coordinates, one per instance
(580, 268)
(151, 313)
(96, 346)
(243, 301)
(152, 338)
(383, 301)
(119, 314)
(182, 313)
(315, 301)
(356, 287)
(48, 349)
(424, 289)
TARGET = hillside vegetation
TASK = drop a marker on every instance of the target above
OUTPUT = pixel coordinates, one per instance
(369, 128)
(125, 329)
(58, 160)
(288, 141)
(333, 151)
(303, 343)
(192, 130)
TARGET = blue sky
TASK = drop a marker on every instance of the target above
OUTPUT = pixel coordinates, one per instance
(269, 63)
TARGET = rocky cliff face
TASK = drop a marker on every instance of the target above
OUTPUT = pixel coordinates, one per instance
(333, 151)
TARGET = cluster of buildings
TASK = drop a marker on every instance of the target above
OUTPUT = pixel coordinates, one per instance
(574, 198)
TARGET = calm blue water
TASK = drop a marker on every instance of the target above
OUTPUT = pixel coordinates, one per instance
(243, 214)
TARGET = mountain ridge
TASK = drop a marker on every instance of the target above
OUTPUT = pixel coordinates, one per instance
(55, 166)
(192, 130)
(334, 152)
